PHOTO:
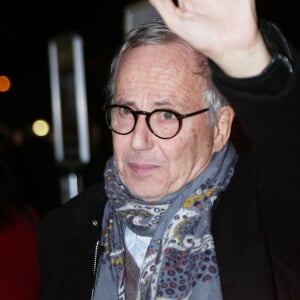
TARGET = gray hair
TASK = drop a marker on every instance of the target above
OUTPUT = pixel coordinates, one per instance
(157, 33)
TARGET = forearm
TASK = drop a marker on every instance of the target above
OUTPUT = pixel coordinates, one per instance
(267, 105)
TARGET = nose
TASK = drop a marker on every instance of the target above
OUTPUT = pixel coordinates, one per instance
(141, 137)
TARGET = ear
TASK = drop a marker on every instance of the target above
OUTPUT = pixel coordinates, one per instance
(222, 128)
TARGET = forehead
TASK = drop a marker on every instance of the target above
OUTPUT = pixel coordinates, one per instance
(171, 55)
(166, 72)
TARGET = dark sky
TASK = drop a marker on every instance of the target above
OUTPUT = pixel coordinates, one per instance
(26, 29)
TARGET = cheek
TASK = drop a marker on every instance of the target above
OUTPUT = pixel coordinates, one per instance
(181, 154)
(119, 148)
(201, 144)
(117, 142)
(190, 151)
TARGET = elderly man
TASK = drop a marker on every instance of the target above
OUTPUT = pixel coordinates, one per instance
(183, 214)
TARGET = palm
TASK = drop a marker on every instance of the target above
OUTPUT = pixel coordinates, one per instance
(224, 30)
(211, 26)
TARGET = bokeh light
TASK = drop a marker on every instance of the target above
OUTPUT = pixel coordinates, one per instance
(40, 128)
(5, 84)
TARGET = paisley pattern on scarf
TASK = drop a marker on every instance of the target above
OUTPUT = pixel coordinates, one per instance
(141, 217)
(180, 261)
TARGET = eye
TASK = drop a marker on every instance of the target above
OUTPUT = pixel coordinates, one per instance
(167, 115)
(125, 111)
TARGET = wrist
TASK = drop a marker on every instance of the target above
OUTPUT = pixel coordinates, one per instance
(249, 62)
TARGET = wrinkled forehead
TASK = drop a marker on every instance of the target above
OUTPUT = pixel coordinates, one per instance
(159, 72)
(173, 53)
(172, 62)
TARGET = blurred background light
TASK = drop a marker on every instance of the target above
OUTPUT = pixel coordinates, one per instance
(40, 128)
(4, 84)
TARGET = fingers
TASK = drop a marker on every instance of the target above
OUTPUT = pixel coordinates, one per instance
(166, 8)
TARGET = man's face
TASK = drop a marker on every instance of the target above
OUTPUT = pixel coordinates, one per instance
(161, 77)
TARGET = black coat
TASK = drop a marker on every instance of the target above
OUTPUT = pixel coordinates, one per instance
(256, 221)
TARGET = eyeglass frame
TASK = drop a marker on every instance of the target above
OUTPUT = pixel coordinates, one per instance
(137, 113)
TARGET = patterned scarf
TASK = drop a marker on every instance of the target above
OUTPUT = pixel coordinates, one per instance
(180, 261)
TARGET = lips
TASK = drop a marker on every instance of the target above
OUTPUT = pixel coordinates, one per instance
(143, 169)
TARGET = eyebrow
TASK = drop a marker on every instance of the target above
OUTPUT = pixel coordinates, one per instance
(158, 103)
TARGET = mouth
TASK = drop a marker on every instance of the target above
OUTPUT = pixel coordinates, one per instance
(143, 169)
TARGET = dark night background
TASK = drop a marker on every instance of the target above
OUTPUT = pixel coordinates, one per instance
(25, 30)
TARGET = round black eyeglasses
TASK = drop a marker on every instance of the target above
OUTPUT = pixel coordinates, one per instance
(163, 123)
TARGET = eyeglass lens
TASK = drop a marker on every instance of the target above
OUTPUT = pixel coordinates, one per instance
(162, 123)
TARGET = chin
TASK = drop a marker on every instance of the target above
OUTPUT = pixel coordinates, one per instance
(151, 196)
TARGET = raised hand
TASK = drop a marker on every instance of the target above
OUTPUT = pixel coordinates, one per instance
(224, 30)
